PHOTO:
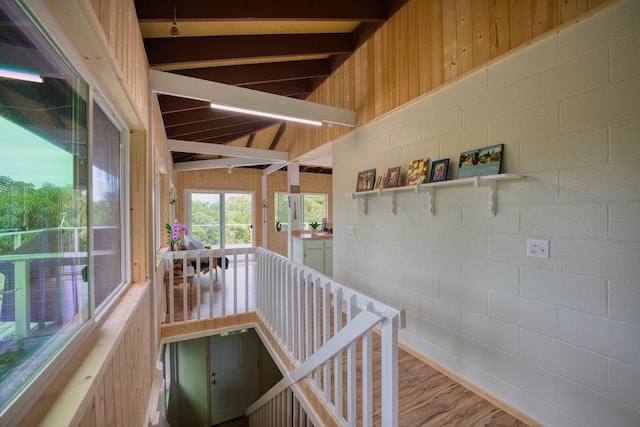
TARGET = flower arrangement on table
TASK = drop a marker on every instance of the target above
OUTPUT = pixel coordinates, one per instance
(176, 233)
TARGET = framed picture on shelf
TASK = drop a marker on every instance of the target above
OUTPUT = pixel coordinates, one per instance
(480, 162)
(366, 180)
(418, 172)
(439, 169)
(392, 177)
(378, 183)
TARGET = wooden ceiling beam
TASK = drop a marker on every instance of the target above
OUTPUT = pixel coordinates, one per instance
(247, 99)
(223, 125)
(278, 136)
(222, 150)
(252, 138)
(198, 133)
(163, 52)
(242, 75)
(207, 114)
(247, 10)
(173, 104)
(220, 164)
(295, 88)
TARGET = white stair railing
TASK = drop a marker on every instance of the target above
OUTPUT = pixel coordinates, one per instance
(304, 310)
(196, 292)
(326, 328)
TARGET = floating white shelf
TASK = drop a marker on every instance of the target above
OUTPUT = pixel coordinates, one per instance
(488, 182)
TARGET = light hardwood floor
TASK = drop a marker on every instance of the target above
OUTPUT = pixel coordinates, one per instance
(426, 397)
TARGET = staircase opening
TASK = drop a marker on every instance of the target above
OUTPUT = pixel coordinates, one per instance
(213, 380)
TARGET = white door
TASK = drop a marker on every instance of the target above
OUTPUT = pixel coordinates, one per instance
(234, 374)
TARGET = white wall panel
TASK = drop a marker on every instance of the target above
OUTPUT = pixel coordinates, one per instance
(570, 361)
(558, 338)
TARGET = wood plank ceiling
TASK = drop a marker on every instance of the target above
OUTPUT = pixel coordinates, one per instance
(283, 47)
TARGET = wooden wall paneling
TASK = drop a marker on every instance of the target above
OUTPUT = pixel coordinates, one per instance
(133, 370)
(436, 48)
(370, 79)
(481, 32)
(520, 22)
(127, 376)
(499, 18)
(401, 56)
(378, 74)
(450, 40)
(89, 417)
(341, 95)
(569, 9)
(109, 397)
(423, 41)
(465, 36)
(117, 408)
(99, 403)
(110, 26)
(120, 34)
(543, 16)
(119, 25)
(127, 58)
(360, 84)
(383, 71)
(351, 85)
(140, 206)
(414, 70)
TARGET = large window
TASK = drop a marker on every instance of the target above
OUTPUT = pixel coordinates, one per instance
(313, 208)
(53, 272)
(220, 219)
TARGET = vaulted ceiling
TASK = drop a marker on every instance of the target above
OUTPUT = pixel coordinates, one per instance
(283, 47)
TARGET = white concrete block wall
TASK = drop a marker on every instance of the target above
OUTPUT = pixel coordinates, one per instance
(558, 338)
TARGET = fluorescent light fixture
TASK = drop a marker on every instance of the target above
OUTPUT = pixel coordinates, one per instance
(26, 76)
(265, 114)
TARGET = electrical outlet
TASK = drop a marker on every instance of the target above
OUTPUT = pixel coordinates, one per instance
(538, 248)
(352, 230)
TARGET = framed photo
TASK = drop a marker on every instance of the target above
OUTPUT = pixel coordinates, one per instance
(392, 177)
(378, 182)
(439, 169)
(418, 172)
(366, 180)
(480, 162)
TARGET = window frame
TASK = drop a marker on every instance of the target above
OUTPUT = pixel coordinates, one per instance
(58, 44)
(125, 226)
(303, 223)
(276, 214)
(222, 193)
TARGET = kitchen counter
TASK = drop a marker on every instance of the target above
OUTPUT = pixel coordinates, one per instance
(313, 250)
(307, 235)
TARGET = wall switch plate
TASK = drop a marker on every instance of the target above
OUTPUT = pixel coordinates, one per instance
(538, 248)
(352, 230)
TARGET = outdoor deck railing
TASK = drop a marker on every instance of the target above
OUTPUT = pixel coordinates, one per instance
(325, 328)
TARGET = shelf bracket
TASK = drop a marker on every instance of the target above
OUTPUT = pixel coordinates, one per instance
(431, 201)
(394, 202)
(490, 185)
(365, 202)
